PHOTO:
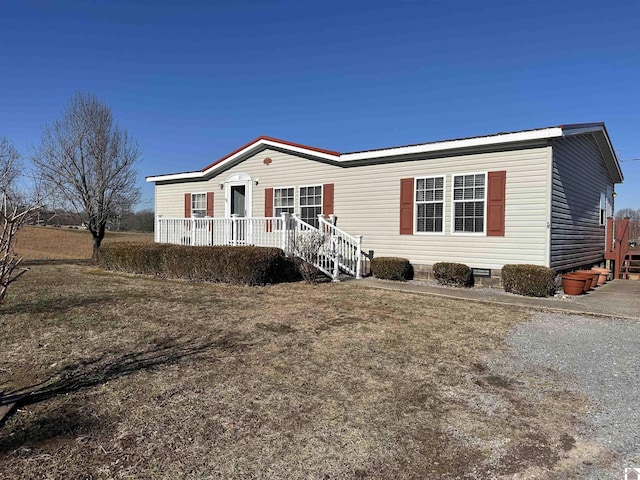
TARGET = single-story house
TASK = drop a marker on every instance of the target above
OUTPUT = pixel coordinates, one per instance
(538, 196)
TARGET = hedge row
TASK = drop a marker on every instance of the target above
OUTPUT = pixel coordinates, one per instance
(529, 280)
(392, 268)
(235, 265)
(454, 274)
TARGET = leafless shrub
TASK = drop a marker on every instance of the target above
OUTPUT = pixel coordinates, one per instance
(14, 213)
(307, 246)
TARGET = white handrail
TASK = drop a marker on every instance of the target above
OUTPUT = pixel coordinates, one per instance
(348, 248)
(311, 245)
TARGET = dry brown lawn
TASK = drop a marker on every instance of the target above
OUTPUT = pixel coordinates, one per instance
(48, 243)
(132, 377)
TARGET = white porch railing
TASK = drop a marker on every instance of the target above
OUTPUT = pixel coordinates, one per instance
(337, 251)
(261, 231)
(347, 248)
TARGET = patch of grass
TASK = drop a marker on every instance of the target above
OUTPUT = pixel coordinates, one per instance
(131, 377)
(48, 243)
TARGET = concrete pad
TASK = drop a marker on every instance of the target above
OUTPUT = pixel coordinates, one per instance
(617, 298)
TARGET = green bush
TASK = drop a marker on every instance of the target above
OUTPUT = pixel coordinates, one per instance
(454, 274)
(392, 268)
(235, 265)
(529, 280)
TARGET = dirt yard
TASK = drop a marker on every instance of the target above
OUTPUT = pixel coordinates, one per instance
(132, 377)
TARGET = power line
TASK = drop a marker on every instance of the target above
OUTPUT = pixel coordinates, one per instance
(631, 160)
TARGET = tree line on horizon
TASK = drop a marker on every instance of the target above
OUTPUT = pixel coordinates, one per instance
(138, 221)
(628, 213)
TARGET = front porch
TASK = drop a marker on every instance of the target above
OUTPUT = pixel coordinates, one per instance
(328, 248)
(623, 248)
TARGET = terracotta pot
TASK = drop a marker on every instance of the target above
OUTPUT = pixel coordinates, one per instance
(587, 277)
(594, 276)
(603, 274)
(573, 284)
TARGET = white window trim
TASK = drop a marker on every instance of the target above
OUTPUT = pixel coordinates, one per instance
(273, 202)
(300, 197)
(453, 206)
(415, 205)
(205, 204)
(602, 211)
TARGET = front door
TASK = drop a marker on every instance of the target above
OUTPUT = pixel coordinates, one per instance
(237, 200)
(238, 210)
(238, 197)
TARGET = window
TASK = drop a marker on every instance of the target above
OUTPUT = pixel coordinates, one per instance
(429, 204)
(468, 203)
(283, 200)
(311, 204)
(198, 205)
(603, 209)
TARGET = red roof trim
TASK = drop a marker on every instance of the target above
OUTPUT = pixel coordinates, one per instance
(270, 139)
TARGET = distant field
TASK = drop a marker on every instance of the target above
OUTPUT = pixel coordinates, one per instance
(48, 243)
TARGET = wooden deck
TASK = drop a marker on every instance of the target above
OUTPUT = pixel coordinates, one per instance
(623, 248)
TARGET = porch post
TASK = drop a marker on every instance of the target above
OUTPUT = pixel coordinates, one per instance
(285, 232)
(156, 229)
(359, 257)
(609, 235)
(234, 229)
(336, 258)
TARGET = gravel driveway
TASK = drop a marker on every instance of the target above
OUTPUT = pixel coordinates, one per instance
(600, 358)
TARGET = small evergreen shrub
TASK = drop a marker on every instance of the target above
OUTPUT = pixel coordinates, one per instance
(453, 274)
(529, 280)
(392, 268)
(235, 265)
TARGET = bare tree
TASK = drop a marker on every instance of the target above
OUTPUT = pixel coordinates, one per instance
(629, 213)
(88, 164)
(9, 167)
(13, 215)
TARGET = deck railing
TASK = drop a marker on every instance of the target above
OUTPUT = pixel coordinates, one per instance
(335, 250)
(622, 236)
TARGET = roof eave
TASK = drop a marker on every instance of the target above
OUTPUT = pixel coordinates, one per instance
(462, 144)
(250, 148)
(599, 131)
(174, 176)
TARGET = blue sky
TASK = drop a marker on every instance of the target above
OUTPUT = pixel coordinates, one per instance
(193, 81)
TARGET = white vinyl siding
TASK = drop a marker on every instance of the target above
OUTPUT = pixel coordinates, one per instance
(429, 207)
(367, 199)
(311, 204)
(198, 205)
(469, 192)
